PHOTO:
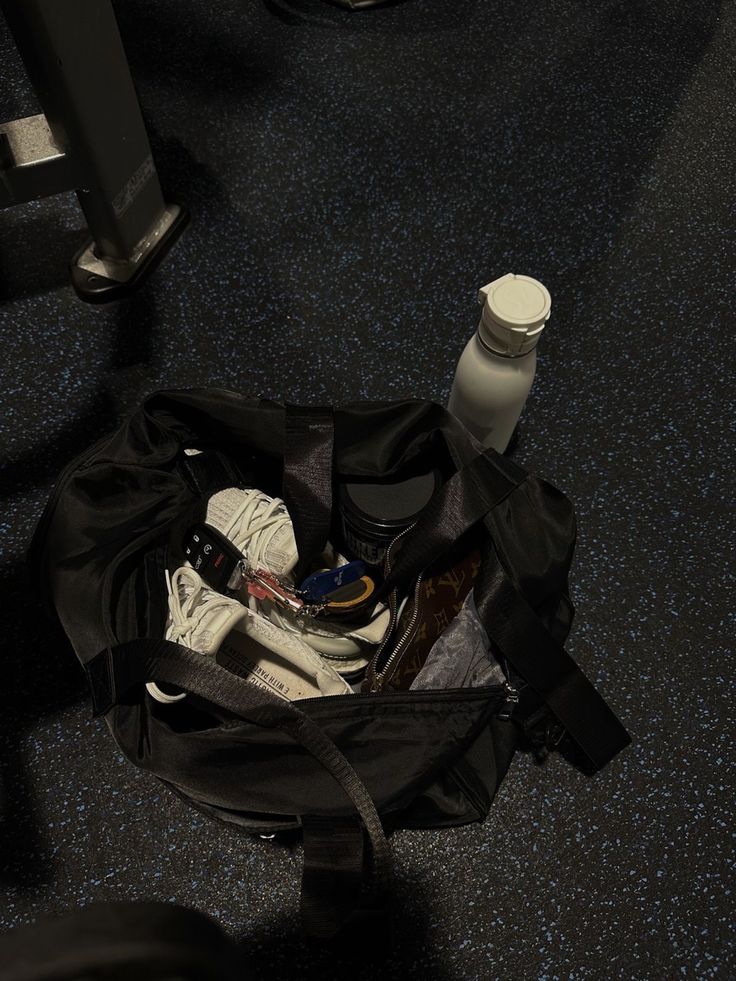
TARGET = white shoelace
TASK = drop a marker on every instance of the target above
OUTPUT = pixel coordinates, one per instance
(190, 601)
(186, 591)
(252, 532)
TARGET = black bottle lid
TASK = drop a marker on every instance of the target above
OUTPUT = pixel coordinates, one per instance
(373, 514)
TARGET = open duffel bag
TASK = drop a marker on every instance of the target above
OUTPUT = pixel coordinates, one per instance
(458, 660)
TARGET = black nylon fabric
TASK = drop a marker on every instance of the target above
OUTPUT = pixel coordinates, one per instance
(268, 773)
(522, 638)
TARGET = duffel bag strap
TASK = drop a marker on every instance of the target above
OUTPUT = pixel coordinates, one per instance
(333, 879)
(531, 650)
(116, 670)
(461, 502)
(309, 438)
(512, 625)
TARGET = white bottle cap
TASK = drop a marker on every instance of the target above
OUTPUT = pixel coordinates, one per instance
(515, 310)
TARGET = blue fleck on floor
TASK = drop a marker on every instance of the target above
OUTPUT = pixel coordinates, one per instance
(353, 180)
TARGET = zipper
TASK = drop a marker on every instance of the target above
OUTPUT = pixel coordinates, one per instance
(380, 678)
(512, 700)
(427, 695)
(393, 604)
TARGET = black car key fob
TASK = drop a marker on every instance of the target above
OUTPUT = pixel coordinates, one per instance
(214, 557)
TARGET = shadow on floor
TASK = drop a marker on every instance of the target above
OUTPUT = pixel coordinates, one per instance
(386, 949)
(128, 379)
(46, 678)
(36, 247)
(209, 54)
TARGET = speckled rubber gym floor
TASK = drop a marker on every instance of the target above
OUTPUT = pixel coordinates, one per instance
(353, 179)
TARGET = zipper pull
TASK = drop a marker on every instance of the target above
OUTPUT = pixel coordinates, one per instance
(372, 687)
(320, 585)
(372, 683)
(512, 700)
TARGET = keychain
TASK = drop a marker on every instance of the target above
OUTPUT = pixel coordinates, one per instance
(336, 592)
(225, 569)
(320, 584)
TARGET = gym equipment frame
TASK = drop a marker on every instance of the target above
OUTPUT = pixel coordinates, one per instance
(90, 138)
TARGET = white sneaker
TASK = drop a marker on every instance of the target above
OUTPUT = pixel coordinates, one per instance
(329, 637)
(258, 525)
(244, 642)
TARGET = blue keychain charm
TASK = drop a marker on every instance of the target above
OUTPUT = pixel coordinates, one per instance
(320, 584)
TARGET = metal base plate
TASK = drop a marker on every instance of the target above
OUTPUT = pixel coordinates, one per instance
(100, 281)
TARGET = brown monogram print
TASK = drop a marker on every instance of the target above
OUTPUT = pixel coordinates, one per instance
(441, 597)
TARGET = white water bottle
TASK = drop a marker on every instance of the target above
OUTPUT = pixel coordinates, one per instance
(495, 372)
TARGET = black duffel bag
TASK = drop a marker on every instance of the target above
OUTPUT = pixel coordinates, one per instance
(343, 769)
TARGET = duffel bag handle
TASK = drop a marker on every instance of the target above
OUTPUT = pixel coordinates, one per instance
(116, 670)
(309, 446)
(459, 504)
(309, 454)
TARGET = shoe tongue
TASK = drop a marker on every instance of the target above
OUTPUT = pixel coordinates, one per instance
(280, 556)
